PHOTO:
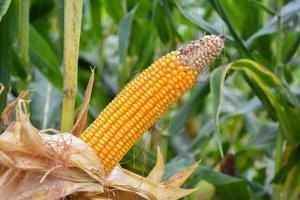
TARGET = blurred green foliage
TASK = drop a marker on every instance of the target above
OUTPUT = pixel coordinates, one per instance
(243, 124)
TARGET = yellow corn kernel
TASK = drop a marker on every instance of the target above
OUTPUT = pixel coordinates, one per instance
(146, 98)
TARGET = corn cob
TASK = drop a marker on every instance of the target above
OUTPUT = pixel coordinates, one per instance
(147, 97)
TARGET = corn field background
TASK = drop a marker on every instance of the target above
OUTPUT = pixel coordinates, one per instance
(241, 120)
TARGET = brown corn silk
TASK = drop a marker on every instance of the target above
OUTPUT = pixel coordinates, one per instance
(147, 97)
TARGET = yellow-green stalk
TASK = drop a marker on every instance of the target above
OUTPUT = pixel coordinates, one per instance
(72, 27)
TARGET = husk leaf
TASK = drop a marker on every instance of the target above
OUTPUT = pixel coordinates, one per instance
(36, 165)
(80, 123)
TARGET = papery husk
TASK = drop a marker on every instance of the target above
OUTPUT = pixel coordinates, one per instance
(80, 123)
(37, 165)
(5, 116)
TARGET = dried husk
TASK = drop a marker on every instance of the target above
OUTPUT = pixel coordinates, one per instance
(82, 117)
(37, 165)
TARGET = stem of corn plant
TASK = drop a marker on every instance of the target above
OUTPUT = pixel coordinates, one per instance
(24, 31)
(279, 70)
(72, 26)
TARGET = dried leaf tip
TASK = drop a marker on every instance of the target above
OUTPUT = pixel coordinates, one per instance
(200, 53)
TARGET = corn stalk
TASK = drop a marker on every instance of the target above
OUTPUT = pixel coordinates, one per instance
(72, 26)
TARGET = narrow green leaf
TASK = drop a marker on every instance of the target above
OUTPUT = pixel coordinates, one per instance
(218, 140)
(8, 29)
(167, 13)
(24, 32)
(201, 23)
(44, 59)
(19, 68)
(124, 41)
(265, 137)
(287, 113)
(4, 4)
(292, 162)
(124, 34)
(5, 59)
(290, 9)
(113, 8)
(292, 186)
(145, 43)
(223, 14)
(96, 18)
(162, 24)
(292, 50)
(263, 7)
(217, 87)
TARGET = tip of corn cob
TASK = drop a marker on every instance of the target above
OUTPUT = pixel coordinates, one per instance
(200, 53)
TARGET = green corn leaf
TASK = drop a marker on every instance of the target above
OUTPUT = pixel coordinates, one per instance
(292, 162)
(24, 31)
(167, 13)
(287, 113)
(263, 7)
(287, 12)
(293, 49)
(205, 26)
(265, 137)
(124, 41)
(224, 15)
(3, 7)
(113, 8)
(44, 59)
(292, 185)
(217, 85)
(124, 34)
(8, 29)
